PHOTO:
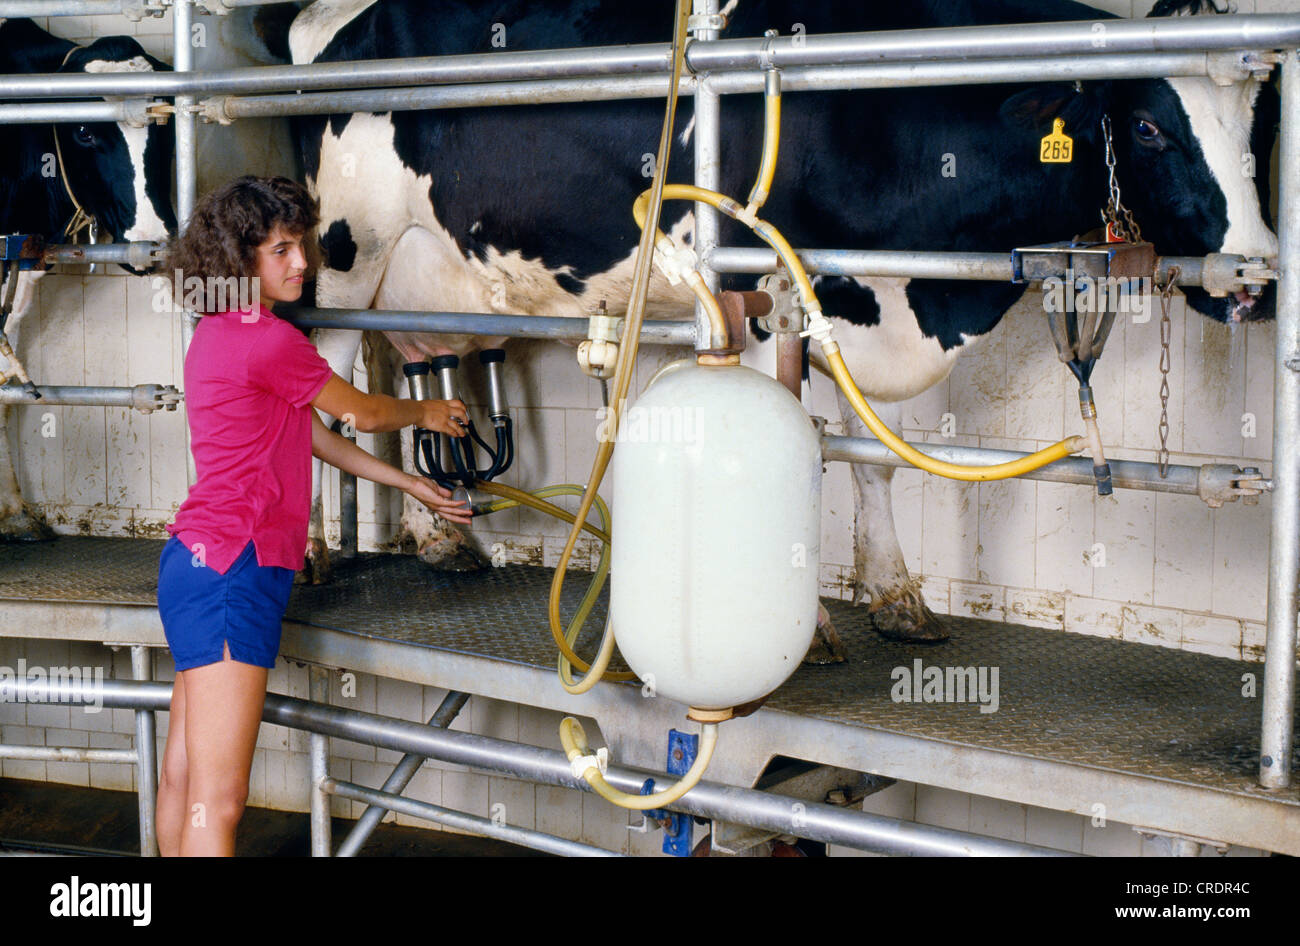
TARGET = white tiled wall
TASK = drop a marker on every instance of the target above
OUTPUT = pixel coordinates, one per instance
(1157, 568)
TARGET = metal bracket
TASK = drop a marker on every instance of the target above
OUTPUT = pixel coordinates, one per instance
(138, 112)
(1226, 273)
(213, 110)
(136, 10)
(147, 398)
(1182, 845)
(786, 315)
(1225, 67)
(808, 781)
(705, 21)
(678, 828)
(1219, 483)
(27, 248)
(767, 55)
(1095, 260)
(159, 112)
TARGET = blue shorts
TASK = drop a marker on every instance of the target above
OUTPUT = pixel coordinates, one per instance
(202, 610)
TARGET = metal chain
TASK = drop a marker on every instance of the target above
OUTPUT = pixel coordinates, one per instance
(1128, 228)
(1166, 332)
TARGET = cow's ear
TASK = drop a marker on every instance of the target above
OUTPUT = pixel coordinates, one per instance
(1081, 107)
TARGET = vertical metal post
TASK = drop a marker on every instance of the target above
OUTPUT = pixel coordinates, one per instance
(146, 764)
(186, 167)
(401, 777)
(319, 748)
(1284, 551)
(708, 174)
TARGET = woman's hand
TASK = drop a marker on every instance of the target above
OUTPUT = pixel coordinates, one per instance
(436, 497)
(446, 417)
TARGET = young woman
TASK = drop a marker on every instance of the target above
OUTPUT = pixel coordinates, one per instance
(224, 577)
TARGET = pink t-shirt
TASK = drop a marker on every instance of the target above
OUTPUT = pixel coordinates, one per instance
(249, 381)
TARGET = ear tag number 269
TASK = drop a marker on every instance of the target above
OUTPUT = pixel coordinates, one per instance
(1058, 147)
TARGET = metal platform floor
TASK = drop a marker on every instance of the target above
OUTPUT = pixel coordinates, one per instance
(1161, 738)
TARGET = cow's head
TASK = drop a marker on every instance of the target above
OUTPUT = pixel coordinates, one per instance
(1191, 161)
(119, 174)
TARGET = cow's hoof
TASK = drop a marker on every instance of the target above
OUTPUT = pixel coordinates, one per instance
(908, 620)
(445, 554)
(26, 525)
(316, 568)
(826, 647)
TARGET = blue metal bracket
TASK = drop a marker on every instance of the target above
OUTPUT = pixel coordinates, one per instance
(28, 249)
(678, 828)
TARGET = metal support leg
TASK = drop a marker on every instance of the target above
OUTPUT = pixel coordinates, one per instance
(1284, 552)
(708, 174)
(401, 777)
(320, 753)
(146, 765)
(186, 168)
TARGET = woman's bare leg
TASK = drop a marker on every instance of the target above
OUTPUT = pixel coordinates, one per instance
(170, 815)
(223, 709)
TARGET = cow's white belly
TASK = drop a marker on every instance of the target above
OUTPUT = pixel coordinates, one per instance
(892, 360)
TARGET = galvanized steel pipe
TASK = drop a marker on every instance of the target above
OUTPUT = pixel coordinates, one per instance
(708, 174)
(1127, 474)
(991, 47)
(910, 264)
(485, 323)
(401, 776)
(524, 837)
(1278, 701)
(146, 750)
(796, 79)
(776, 813)
(141, 397)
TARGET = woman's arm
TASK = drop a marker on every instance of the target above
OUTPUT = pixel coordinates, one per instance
(340, 452)
(371, 413)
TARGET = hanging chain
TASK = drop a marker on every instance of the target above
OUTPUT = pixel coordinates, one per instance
(1166, 332)
(1126, 230)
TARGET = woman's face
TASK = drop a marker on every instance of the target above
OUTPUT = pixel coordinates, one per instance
(279, 266)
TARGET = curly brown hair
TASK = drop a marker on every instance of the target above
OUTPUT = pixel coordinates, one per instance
(227, 226)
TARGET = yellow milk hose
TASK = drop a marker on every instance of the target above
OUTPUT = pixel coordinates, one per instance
(536, 500)
(625, 364)
(820, 329)
(574, 740)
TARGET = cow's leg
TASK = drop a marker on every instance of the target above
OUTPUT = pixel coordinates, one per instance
(897, 610)
(339, 348)
(19, 521)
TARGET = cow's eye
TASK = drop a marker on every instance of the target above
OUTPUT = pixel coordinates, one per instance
(83, 136)
(1146, 130)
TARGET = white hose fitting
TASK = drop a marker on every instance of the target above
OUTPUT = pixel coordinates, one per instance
(599, 761)
(819, 327)
(676, 263)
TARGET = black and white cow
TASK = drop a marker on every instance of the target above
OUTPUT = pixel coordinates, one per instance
(525, 210)
(120, 176)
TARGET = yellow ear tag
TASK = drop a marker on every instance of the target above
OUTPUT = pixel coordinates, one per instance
(1058, 147)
